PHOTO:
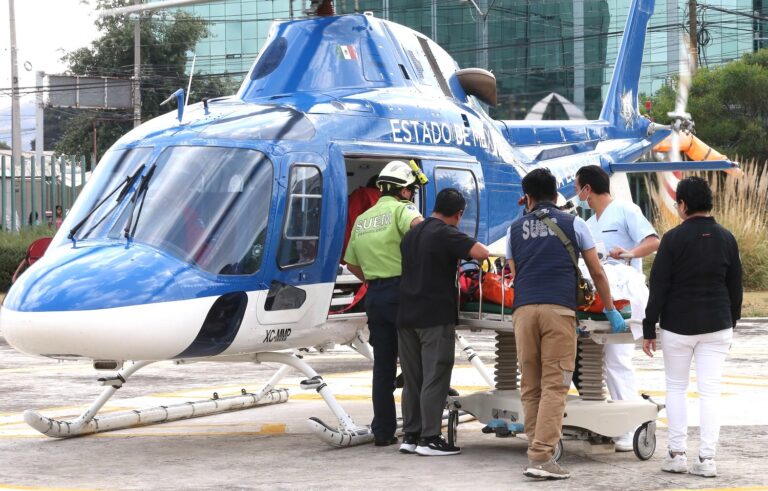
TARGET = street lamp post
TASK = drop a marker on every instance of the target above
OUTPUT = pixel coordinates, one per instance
(15, 107)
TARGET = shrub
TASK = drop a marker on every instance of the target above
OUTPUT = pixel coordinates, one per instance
(741, 206)
(13, 249)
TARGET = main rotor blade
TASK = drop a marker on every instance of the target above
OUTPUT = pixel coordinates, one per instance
(685, 72)
(152, 6)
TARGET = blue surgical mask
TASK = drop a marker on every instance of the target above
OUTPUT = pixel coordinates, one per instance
(583, 203)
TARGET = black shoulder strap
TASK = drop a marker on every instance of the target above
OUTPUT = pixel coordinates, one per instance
(542, 215)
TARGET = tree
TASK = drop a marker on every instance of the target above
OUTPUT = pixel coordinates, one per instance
(729, 106)
(165, 43)
(4, 145)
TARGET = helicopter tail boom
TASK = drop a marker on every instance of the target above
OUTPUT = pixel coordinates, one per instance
(620, 105)
(672, 166)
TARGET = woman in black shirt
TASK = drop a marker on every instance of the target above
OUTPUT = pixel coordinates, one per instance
(696, 293)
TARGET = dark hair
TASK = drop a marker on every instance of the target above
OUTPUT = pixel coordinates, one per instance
(540, 185)
(390, 190)
(596, 177)
(449, 201)
(696, 193)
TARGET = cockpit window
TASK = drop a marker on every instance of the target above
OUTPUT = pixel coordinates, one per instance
(302, 224)
(205, 205)
(116, 167)
(270, 59)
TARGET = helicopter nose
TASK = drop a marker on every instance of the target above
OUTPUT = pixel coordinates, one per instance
(107, 302)
(100, 277)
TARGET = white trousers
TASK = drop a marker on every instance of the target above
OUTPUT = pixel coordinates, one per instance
(619, 374)
(709, 350)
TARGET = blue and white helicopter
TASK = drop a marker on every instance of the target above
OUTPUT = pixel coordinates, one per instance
(215, 232)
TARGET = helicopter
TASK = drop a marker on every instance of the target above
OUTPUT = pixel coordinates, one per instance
(215, 232)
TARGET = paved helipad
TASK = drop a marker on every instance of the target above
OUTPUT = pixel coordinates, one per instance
(271, 447)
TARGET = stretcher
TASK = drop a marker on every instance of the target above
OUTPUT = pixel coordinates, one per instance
(589, 417)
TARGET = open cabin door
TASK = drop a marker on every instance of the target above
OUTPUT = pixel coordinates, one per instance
(348, 294)
(466, 176)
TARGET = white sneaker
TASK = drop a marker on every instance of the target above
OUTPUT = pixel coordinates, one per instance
(704, 467)
(678, 463)
(624, 442)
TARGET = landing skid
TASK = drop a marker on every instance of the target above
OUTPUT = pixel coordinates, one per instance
(346, 434)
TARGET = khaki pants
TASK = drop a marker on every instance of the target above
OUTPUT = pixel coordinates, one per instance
(546, 350)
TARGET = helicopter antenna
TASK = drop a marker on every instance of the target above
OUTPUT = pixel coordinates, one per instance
(189, 85)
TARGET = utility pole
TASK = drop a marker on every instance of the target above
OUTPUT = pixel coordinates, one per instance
(15, 109)
(137, 68)
(693, 33)
(482, 31)
(39, 118)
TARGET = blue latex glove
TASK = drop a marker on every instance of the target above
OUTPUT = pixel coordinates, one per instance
(617, 322)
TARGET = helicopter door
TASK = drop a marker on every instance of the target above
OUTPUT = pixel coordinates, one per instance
(466, 177)
(296, 292)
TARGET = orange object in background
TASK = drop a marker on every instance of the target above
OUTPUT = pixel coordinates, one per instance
(492, 290)
(597, 306)
(694, 149)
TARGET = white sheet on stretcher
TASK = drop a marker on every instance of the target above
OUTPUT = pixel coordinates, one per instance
(626, 284)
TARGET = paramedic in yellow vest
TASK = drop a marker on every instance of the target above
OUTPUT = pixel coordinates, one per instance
(373, 255)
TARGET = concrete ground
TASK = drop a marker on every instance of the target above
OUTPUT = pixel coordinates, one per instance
(271, 447)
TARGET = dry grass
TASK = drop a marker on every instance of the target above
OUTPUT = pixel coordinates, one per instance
(755, 304)
(741, 206)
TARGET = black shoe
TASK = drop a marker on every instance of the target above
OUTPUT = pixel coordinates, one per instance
(435, 445)
(410, 441)
(386, 442)
(453, 392)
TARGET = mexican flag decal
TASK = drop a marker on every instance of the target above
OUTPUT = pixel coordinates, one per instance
(346, 51)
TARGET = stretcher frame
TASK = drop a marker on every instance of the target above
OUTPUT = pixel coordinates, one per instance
(589, 417)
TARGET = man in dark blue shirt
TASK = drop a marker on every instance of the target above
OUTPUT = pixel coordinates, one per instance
(544, 314)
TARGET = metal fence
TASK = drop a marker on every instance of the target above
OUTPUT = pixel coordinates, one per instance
(32, 191)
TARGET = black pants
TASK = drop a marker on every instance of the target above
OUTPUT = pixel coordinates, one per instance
(381, 304)
(426, 357)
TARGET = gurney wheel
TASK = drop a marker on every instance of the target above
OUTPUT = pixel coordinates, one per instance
(453, 426)
(558, 451)
(644, 443)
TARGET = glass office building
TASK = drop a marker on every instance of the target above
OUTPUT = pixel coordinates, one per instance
(238, 28)
(534, 47)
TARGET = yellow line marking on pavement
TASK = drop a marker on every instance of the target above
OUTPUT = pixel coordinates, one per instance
(742, 384)
(273, 428)
(472, 388)
(187, 434)
(748, 488)
(749, 377)
(46, 368)
(45, 488)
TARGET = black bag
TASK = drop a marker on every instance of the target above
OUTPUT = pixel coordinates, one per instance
(585, 291)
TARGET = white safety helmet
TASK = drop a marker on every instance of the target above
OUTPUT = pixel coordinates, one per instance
(397, 174)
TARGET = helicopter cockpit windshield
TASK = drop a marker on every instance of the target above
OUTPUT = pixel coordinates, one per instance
(208, 206)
